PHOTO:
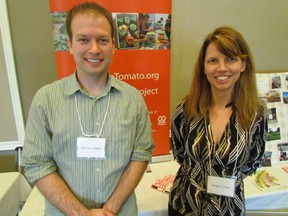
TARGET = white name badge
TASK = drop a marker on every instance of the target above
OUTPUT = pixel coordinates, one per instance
(221, 186)
(91, 147)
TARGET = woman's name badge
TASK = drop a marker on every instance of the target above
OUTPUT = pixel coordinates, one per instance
(91, 147)
(221, 186)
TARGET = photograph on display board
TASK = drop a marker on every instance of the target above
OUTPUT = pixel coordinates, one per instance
(273, 134)
(285, 97)
(271, 115)
(273, 96)
(276, 82)
(283, 151)
(266, 160)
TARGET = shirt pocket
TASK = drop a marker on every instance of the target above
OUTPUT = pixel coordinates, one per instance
(121, 138)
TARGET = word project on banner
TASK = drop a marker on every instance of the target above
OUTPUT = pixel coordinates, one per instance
(141, 57)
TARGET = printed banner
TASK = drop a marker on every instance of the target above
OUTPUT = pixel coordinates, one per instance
(141, 58)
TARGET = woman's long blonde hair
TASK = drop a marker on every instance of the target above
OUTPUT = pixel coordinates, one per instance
(245, 97)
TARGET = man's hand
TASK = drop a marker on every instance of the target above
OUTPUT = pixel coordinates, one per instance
(100, 212)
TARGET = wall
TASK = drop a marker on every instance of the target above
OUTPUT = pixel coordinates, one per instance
(33, 47)
(262, 22)
(34, 56)
(7, 131)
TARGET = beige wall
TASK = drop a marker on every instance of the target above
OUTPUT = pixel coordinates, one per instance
(34, 56)
(8, 131)
(33, 47)
(262, 22)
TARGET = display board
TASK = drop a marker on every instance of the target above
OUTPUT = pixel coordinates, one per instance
(273, 88)
(11, 119)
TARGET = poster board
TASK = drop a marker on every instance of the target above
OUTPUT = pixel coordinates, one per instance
(273, 88)
(11, 119)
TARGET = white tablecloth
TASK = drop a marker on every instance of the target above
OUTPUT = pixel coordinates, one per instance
(13, 189)
(150, 201)
(154, 203)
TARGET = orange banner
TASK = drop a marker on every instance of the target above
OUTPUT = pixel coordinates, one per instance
(142, 57)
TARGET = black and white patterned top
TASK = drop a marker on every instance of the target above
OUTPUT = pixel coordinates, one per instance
(190, 145)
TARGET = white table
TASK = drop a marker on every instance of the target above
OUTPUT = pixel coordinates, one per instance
(150, 201)
(154, 203)
(270, 201)
(14, 189)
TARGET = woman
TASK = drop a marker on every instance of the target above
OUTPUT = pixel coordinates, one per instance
(218, 131)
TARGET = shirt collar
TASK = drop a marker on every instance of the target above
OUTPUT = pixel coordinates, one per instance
(73, 85)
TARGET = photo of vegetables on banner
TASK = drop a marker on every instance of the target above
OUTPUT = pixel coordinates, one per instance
(127, 30)
(141, 58)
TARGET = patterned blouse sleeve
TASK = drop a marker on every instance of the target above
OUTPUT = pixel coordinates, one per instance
(178, 134)
(258, 134)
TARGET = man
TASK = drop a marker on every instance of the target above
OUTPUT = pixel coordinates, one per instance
(88, 136)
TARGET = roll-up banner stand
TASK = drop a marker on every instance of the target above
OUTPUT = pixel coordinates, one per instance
(141, 58)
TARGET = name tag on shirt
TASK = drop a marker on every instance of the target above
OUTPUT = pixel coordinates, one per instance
(221, 186)
(91, 148)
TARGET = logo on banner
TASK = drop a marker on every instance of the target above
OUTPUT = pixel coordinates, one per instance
(162, 120)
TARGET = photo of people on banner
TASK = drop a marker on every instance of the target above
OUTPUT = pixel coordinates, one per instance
(141, 57)
(143, 31)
